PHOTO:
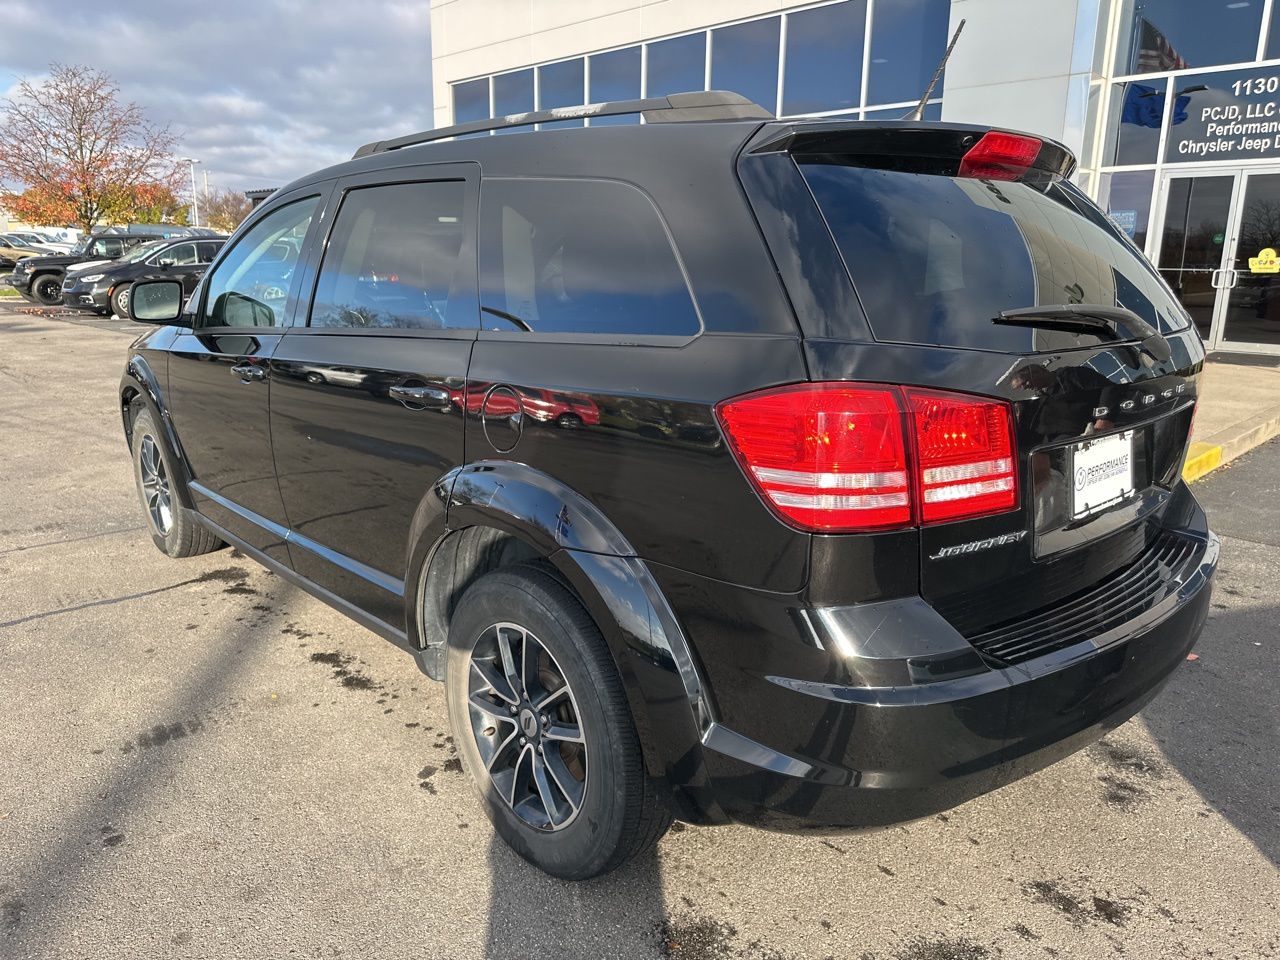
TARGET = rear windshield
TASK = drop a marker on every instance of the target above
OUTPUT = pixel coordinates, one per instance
(935, 258)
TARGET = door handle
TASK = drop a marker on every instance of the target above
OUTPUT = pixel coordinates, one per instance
(249, 372)
(428, 398)
(1233, 275)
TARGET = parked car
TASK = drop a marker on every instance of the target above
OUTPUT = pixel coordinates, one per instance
(39, 279)
(37, 241)
(921, 529)
(10, 255)
(104, 288)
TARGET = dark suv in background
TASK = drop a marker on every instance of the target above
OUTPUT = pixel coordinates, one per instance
(878, 505)
(104, 288)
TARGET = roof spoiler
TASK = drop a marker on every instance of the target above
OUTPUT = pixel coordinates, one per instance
(902, 144)
(676, 108)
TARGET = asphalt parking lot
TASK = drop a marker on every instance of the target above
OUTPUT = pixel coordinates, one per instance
(199, 760)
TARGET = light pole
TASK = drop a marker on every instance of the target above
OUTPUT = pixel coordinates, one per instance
(195, 200)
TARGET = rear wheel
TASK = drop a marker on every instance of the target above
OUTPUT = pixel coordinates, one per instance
(174, 529)
(120, 302)
(543, 727)
(47, 289)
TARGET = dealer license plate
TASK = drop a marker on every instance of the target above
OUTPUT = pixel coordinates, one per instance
(1101, 473)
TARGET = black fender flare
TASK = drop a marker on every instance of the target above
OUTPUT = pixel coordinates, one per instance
(668, 698)
(140, 382)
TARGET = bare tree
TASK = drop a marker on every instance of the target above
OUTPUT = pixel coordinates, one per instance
(224, 209)
(80, 154)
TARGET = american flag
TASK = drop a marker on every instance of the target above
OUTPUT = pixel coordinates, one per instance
(1155, 52)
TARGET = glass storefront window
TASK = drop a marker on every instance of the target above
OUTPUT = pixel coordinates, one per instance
(1137, 110)
(615, 76)
(1126, 198)
(1233, 115)
(744, 59)
(932, 111)
(471, 100)
(513, 93)
(677, 65)
(561, 85)
(1175, 34)
(907, 41)
(824, 58)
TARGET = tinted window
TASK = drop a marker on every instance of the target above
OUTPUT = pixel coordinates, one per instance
(182, 254)
(208, 251)
(744, 59)
(471, 100)
(677, 65)
(562, 85)
(907, 41)
(578, 256)
(392, 258)
(1173, 34)
(824, 58)
(615, 76)
(1126, 197)
(250, 287)
(107, 248)
(935, 258)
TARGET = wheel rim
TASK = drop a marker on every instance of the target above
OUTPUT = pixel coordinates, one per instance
(122, 303)
(155, 486)
(527, 727)
(48, 289)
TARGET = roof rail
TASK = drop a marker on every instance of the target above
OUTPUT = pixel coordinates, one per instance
(675, 108)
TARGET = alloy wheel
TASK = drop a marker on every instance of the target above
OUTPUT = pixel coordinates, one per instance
(155, 486)
(527, 727)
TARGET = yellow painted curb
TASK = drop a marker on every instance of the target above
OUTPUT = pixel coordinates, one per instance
(1201, 458)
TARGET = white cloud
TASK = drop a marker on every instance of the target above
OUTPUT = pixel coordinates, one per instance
(261, 91)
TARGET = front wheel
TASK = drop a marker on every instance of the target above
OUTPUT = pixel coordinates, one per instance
(120, 302)
(543, 727)
(174, 529)
(47, 289)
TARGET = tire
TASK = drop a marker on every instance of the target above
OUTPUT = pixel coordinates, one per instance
(620, 813)
(47, 289)
(569, 421)
(174, 529)
(120, 301)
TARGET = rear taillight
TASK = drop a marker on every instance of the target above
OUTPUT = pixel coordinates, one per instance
(841, 457)
(1000, 156)
(964, 455)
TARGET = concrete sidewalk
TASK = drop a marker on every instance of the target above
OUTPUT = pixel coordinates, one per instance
(1239, 409)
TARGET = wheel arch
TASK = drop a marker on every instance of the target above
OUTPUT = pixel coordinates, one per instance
(140, 384)
(493, 514)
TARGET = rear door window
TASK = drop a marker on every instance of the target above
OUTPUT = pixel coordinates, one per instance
(935, 258)
(579, 257)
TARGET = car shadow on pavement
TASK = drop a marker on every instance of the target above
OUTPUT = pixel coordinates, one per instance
(1218, 721)
(531, 914)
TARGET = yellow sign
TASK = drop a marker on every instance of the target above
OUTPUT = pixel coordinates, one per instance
(1265, 262)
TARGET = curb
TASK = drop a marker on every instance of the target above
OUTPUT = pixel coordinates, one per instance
(1205, 456)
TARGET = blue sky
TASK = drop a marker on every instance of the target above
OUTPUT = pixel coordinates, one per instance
(261, 91)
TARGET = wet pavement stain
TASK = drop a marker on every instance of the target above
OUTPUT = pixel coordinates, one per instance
(945, 948)
(350, 677)
(453, 765)
(111, 837)
(161, 734)
(424, 777)
(691, 937)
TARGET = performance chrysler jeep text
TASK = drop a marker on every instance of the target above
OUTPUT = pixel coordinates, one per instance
(810, 474)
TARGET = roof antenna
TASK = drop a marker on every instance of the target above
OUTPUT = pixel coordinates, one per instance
(918, 112)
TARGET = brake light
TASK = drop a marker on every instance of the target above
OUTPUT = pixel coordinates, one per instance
(964, 455)
(842, 457)
(827, 456)
(1000, 156)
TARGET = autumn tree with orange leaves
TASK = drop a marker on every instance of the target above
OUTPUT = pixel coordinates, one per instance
(80, 156)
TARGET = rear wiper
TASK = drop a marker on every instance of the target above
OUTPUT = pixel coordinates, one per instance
(1118, 323)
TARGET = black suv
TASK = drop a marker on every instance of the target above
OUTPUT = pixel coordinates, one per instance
(39, 279)
(878, 507)
(104, 288)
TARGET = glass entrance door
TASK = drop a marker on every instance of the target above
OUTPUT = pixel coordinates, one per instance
(1251, 289)
(1192, 251)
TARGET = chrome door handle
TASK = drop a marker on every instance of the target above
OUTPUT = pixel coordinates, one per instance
(1215, 279)
(430, 398)
(249, 372)
(1234, 276)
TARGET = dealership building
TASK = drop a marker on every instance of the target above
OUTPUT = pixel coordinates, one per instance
(1171, 106)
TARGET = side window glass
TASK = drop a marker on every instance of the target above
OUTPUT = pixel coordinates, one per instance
(392, 259)
(578, 256)
(108, 248)
(250, 287)
(208, 251)
(184, 254)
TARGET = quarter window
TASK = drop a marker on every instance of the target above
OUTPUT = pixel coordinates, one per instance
(392, 260)
(251, 286)
(579, 256)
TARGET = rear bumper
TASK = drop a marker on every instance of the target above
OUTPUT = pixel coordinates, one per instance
(831, 754)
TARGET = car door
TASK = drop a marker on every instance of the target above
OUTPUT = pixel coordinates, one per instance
(219, 377)
(367, 386)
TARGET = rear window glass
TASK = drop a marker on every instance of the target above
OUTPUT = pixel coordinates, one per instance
(935, 258)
